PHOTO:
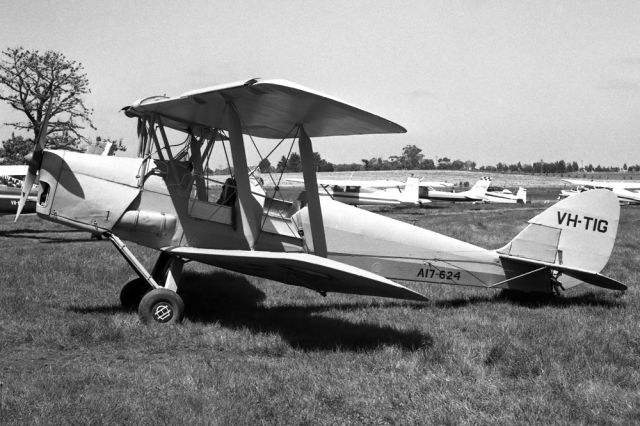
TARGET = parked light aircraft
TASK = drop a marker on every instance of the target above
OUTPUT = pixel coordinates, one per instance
(476, 193)
(496, 194)
(369, 193)
(10, 183)
(627, 192)
(439, 185)
(163, 200)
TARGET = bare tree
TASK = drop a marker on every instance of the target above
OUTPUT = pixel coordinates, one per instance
(29, 80)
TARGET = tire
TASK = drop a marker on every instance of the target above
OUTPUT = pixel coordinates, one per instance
(132, 293)
(161, 306)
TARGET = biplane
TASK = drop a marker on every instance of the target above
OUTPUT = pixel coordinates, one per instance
(369, 193)
(166, 199)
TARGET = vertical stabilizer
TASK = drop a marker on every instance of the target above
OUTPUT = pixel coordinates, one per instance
(411, 190)
(578, 232)
(521, 195)
(481, 186)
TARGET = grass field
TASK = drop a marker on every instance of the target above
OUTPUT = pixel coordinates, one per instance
(251, 351)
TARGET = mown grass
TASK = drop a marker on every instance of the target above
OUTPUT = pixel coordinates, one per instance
(253, 351)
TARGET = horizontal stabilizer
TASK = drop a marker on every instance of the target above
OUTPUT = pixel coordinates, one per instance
(301, 269)
(588, 277)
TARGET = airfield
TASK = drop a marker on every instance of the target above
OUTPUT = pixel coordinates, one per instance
(254, 351)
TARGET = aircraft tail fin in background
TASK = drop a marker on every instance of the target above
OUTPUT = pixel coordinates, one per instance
(480, 187)
(521, 195)
(411, 190)
(575, 237)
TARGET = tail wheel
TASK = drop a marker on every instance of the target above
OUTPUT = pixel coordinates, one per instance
(132, 293)
(162, 306)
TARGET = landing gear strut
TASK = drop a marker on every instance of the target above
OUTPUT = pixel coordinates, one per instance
(556, 286)
(154, 302)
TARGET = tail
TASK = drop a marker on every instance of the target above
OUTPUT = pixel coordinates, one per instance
(521, 195)
(480, 188)
(574, 237)
(411, 190)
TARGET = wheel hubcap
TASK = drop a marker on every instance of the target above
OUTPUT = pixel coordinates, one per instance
(162, 312)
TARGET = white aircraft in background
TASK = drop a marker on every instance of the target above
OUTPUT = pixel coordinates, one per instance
(439, 185)
(163, 200)
(11, 178)
(627, 192)
(476, 193)
(497, 194)
(369, 192)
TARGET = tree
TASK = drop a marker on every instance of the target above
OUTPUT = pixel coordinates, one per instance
(292, 164)
(427, 164)
(457, 165)
(265, 165)
(411, 157)
(14, 150)
(31, 80)
(320, 164)
(282, 164)
(444, 163)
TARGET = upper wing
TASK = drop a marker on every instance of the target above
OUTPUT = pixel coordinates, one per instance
(267, 109)
(305, 270)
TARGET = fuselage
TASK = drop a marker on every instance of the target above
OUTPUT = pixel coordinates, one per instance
(159, 209)
(503, 195)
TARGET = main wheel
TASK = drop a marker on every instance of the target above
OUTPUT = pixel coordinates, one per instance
(132, 293)
(161, 305)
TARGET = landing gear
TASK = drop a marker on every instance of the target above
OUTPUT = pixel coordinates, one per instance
(153, 295)
(132, 293)
(556, 286)
(162, 306)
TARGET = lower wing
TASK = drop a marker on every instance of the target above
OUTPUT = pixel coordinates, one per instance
(301, 269)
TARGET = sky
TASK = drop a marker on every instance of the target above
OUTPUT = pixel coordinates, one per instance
(487, 81)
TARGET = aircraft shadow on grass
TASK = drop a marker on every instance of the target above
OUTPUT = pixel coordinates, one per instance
(235, 303)
(540, 300)
(533, 300)
(40, 235)
(232, 301)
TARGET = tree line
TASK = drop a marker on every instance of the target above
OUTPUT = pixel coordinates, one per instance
(411, 158)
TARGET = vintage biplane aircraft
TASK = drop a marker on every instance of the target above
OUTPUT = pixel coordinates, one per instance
(497, 194)
(163, 199)
(11, 179)
(476, 193)
(627, 192)
(369, 193)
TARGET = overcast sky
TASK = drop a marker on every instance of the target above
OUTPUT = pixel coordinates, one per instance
(487, 81)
